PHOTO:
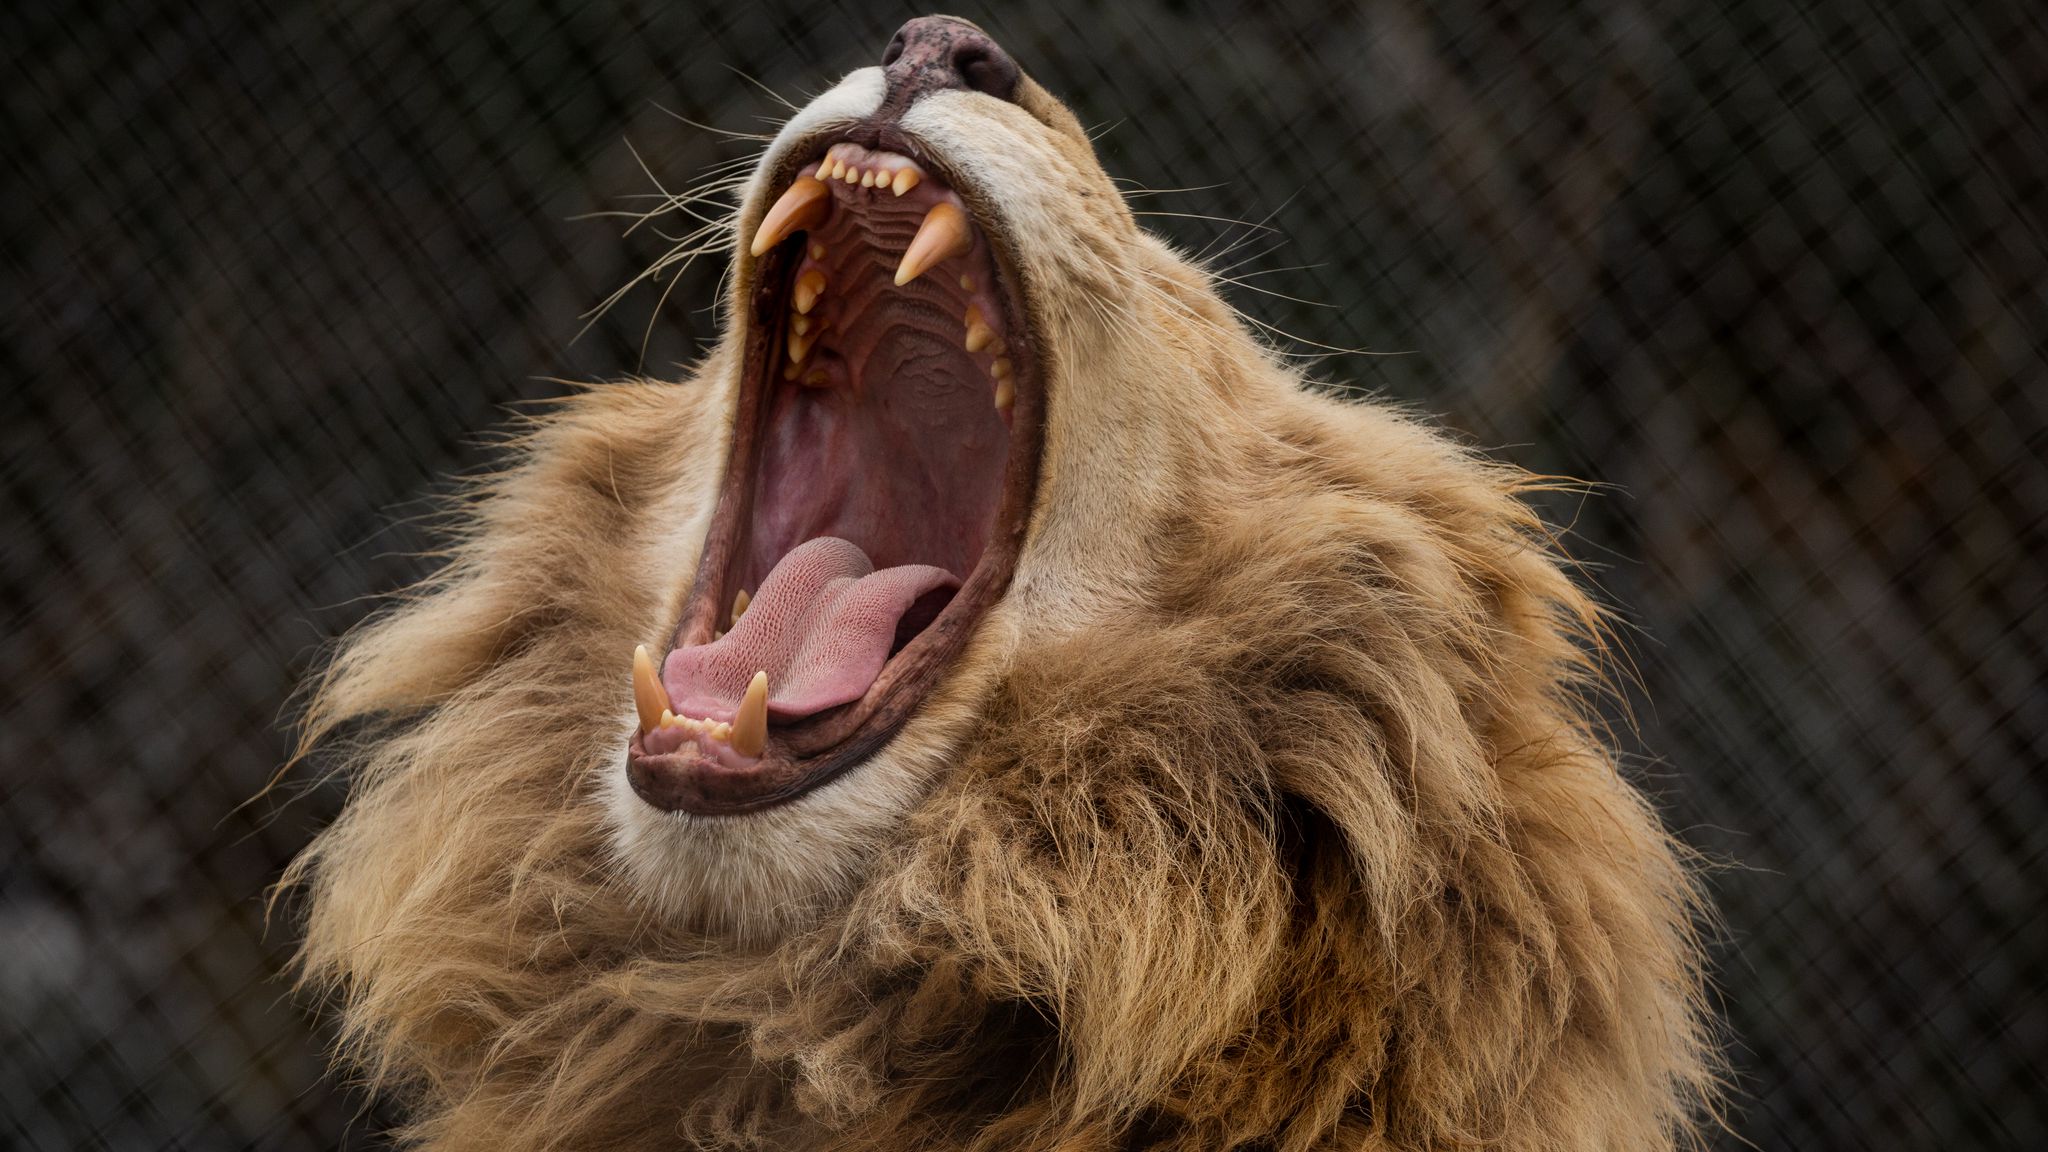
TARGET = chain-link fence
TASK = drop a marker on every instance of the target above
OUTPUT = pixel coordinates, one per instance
(1775, 275)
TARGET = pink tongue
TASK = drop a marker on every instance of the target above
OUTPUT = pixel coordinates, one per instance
(821, 626)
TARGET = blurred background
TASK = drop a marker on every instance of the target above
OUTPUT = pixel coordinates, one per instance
(1773, 277)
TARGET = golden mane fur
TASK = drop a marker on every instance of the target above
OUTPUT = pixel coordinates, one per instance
(1267, 809)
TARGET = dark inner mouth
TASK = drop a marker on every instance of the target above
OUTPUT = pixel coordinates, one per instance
(874, 504)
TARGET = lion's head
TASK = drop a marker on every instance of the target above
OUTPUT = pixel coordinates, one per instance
(1054, 725)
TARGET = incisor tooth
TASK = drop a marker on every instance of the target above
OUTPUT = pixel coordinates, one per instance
(802, 207)
(740, 600)
(943, 234)
(903, 182)
(809, 287)
(852, 176)
(650, 699)
(750, 724)
(1006, 394)
(867, 178)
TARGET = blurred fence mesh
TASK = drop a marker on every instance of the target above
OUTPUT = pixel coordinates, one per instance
(1776, 275)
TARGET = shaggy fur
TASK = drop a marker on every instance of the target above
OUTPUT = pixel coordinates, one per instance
(1264, 811)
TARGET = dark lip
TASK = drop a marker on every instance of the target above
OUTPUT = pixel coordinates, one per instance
(807, 754)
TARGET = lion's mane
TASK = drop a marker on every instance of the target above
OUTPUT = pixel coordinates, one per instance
(1314, 845)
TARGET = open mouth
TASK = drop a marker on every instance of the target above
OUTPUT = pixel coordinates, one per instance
(884, 452)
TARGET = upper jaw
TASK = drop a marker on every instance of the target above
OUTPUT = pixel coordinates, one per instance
(704, 776)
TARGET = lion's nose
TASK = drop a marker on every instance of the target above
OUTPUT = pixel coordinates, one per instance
(932, 53)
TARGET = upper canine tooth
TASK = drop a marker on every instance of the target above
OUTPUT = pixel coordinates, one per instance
(809, 286)
(740, 600)
(750, 723)
(903, 182)
(650, 699)
(801, 208)
(943, 234)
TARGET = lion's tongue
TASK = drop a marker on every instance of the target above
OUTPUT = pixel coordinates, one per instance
(821, 626)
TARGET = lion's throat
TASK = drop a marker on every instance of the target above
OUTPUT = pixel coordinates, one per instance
(822, 626)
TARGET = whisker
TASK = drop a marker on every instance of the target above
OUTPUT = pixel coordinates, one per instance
(772, 93)
(712, 128)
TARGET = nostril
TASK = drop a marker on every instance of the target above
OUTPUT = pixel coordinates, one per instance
(981, 71)
(938, 52)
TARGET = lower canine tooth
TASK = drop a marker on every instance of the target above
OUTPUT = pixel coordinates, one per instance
(802, 207)
(650, 699)
(944, 234)
(750, 723)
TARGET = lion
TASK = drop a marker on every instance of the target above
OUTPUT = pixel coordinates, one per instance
(995, 701)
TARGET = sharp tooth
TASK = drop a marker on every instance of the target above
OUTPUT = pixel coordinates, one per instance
(824, 171)
(809, 287)
(650, 699)
(966, 282)
(802, 207)
(817, 249)
(1006, 393)
(750, 725)
(801, 323)
(867, 178)
(978, 332)
(851, 176)
(943, 234)
(668, 719)
(904, 181)
(838, 167)
(799, 347)
(1000, 369)
(740, 600)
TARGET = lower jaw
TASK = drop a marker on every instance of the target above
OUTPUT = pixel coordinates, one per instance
(803, 755)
